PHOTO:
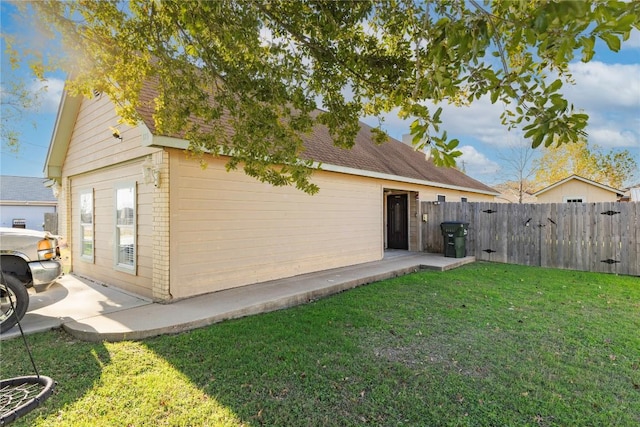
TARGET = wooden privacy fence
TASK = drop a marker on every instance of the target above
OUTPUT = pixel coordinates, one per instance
(600, 237)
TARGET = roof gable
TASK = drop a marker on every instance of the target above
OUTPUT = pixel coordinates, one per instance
(578, 178)
(63, 128)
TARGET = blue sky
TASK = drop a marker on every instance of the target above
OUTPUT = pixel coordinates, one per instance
(607, 88)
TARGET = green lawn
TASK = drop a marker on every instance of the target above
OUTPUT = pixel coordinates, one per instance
(482, 345)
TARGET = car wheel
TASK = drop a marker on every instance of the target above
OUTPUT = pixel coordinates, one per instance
(14, 300)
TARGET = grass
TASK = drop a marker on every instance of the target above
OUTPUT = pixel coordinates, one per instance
(482, 345)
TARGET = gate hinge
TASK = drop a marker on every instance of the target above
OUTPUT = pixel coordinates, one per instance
(610, 261)
(610, 213)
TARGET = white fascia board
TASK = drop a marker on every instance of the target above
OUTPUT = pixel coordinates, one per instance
(61, 136)
(389, 177)
(151, 140)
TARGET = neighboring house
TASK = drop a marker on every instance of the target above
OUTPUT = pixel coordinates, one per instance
(24, 201)
(631, 194)
(142, 215)
(577, 189)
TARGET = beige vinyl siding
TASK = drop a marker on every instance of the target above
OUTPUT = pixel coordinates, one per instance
(95, 159)
(92, 145)
(103, 183)
(577, 189)
(230, 230)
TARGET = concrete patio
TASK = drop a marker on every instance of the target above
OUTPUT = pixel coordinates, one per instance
(97, 312)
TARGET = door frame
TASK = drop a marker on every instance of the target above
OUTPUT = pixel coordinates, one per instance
(388, 219)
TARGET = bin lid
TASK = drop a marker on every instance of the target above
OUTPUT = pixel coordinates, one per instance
(454, 223)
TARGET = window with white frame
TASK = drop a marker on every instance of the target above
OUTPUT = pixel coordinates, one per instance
(574, 199)
(125, 227)
(86, 225)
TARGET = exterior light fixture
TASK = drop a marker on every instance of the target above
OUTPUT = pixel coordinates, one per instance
(150, 173)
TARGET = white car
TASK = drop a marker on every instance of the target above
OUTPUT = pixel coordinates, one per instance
(29, 258)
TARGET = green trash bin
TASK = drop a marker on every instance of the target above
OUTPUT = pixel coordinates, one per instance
(455, 238)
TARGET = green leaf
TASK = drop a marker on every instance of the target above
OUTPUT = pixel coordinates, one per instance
(541, 23)
(613, 42)
(494, 96)
(559, 103)
(588, 51)
(436, 116)
(537, 139)
(626, 22)
(553, 87)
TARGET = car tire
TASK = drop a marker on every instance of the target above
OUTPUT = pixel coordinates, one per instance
(13, 291)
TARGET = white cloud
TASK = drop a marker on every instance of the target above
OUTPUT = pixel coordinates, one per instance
(600, 86)
(475, 163)
(479, 121)
(49, 92)
(610, 95)
(612, 137)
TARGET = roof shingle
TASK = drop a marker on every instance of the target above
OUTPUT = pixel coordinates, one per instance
(24, 188)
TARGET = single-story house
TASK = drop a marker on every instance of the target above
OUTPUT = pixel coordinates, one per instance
(631, 194)
(24, 201)
(140, 214)
(575, 188)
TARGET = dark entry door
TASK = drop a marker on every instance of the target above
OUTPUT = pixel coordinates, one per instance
(397, 229)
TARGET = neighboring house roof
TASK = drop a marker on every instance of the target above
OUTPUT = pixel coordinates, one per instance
(509, 194)
(25, 189)
(579, 178)
(390, 160)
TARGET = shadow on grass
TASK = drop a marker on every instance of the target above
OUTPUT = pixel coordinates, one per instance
(373, 355)
(75, 366)
(302, 366)
(483, 345)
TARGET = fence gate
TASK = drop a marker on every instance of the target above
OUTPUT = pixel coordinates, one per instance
(601, 237)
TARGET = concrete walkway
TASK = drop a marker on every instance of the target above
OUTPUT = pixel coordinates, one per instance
(94, 312)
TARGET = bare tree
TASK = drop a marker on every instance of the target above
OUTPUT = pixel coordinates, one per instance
(519, 168)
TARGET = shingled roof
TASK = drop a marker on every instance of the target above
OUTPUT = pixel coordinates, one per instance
(390, 158)
(24, 189)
